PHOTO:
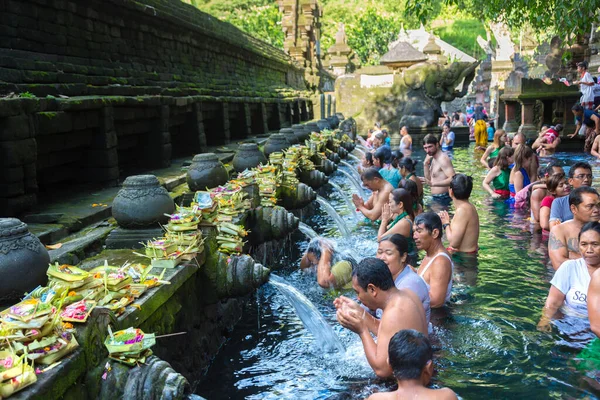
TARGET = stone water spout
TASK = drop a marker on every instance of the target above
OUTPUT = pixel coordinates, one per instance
(299, 197)
(233, 276)
(270, 223)
(315, 179)
(326, 166)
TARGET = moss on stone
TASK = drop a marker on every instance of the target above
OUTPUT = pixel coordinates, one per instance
(48, 114)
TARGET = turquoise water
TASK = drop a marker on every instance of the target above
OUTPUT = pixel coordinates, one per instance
(487, 343)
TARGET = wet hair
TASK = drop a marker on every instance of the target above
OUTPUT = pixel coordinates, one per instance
(430, 221)
(317, 244)
(430, 139)
(502, 159)
(397, 156)
(369, 174)
(554, 180)
(577, 108)
(522, 153)
(558, 128)
(492, 162)
(576, 195)
(404, 196)
(588, 226)
(373, 271)
(369, 158)
(545, 171)
(408, 163)
(456, 117)
(379, 135)
(498, 136)
(579, 165)
(383, 154)
(409, 352)
(461, 186)
(412, 188)
(398, 240)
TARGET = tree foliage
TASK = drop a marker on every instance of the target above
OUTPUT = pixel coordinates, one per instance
(564, 18)
(259, 18)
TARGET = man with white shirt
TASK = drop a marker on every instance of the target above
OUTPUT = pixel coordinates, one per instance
(586, 86)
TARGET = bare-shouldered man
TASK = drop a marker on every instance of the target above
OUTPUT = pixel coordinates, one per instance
(463, 231)
(402, 309)
(411, 359)
(436, 268)
(381, 189)
(563, 243)
(593, 302)
(438, 170)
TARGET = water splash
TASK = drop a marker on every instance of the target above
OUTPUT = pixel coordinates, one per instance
(359, 151)
(355, 183)
(347, 199)
(354, 171)
(353, 157)
(312, 319)
(333, 214)
(307, 230)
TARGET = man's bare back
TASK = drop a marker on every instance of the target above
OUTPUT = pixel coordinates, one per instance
(466, 218)
(416, 392)
(404, 311)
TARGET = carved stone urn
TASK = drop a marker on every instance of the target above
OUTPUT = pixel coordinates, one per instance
(323, 124)
(206, 171)
(289, 135)
(23, 260)
(142, 203)
(248, 156)
(300, 132)
(311, 127)
(276, 142)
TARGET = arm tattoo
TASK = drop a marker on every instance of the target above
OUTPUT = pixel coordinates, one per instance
(554, 243)
(573, 245)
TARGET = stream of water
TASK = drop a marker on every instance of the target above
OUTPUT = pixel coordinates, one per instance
(488, 345)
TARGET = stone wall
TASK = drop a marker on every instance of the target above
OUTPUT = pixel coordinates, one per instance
(93, 90)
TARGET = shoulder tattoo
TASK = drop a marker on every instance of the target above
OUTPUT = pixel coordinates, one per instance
(554, 243)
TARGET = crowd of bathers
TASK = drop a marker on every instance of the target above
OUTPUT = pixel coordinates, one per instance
(395, 295)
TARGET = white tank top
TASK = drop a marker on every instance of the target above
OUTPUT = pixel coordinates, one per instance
(449, 289)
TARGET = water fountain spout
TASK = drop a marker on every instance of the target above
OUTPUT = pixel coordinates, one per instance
(307, 230)
(355, 183)
(312, 319)
(352, 156)
(354, 171)
(333, 214)
(347, 199)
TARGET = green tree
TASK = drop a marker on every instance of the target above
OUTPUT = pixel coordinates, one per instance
(564, 18)
(258, 18)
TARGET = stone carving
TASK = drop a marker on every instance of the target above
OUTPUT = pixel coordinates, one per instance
(326, 166)
(233, 276)
(554, 60)
(248, 156)
(206, 171)
(270, 223)
(348, 127)
(323, 124)
(505, 47)
(276, 142)
(416, 100)
(300, 132)
(334, 157)
(142, 203)
(23, 260)
(289, 135)
(298, 197)
(315, 179)
(312, 127)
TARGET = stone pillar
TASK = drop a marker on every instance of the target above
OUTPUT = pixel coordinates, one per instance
(322, 102)
(248, 120)
(102, 159)
(334, 111)
(226, 131)
(282, 111)
(527, 116)
(265, 117)
(510, 111)
(304, 116)
(311, 111)
(18, 156)
(328, 105)
(199, 131)
(164, 138)
(296, 112)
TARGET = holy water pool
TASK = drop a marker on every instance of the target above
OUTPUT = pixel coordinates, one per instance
(487, 340)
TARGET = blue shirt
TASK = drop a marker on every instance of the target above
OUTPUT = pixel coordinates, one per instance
(560, 209)
(391, 175)
(490, 132)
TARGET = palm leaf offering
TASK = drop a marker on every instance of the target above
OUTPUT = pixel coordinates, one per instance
(129, 346)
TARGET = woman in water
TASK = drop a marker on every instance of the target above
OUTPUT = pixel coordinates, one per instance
(400, 205)
(406, 166)
(525, 163)
(556, 186)
(394, 251)
(334, 269)
(499, 175)
(494, 149)
(571, 281)
(366, 162)
(405, 142)
(382, 161)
